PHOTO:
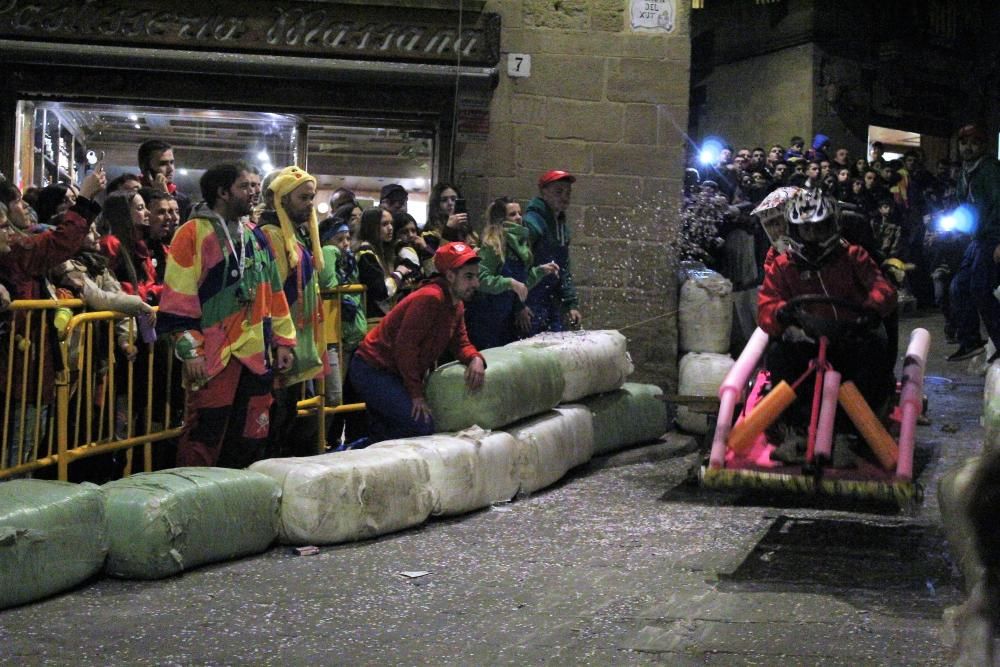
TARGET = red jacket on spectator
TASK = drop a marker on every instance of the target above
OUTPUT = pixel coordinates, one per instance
(24, 267)
(413, 335)
(849, 273)
(148, 289)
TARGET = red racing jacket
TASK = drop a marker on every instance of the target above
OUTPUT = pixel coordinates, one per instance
(848, 273)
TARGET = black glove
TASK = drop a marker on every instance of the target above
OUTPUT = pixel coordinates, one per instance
(784, 316)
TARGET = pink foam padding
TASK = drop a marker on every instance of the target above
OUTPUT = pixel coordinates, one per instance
(736, 378)
(827, 414)
(911, 399)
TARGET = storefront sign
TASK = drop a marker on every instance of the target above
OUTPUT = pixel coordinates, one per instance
(349, 31)
(653, 15)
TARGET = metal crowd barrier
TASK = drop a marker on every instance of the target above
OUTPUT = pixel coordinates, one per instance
(90, 412)
(30, 358)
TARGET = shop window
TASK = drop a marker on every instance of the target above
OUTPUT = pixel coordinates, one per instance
(55, 140)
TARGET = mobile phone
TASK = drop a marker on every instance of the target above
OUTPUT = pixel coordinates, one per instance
(460, 206)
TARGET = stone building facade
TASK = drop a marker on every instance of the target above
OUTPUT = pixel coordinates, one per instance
(610, 105)
(607, 99)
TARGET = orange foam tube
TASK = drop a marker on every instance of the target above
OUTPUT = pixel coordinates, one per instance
(868, 424)
(764, 414)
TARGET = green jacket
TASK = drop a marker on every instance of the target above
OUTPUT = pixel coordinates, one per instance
(517, 242)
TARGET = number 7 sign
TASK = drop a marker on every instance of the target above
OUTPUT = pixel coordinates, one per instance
(519, 64)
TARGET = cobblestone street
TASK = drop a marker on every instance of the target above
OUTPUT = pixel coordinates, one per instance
(621, 563)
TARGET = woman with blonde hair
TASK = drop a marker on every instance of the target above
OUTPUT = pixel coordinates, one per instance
(497, 315)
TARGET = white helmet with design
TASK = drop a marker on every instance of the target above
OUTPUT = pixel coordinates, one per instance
(810, 206)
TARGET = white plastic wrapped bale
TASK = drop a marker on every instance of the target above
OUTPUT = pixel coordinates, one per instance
(628, 416)
(592, 361)
(519, 382)
(350, 495)
(706, 312)
(466, 473)
(550, 445)
(991, 407)
(953, 496)
(162, 523)
(701, 374)
(52, 536)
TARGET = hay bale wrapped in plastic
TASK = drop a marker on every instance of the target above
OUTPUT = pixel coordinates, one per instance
(551, 444)
(519, 382)
(706, 312)
(592, 361)
(701, 374)
(162, 523)
(991, 407)
(350, 495)
(953, 498)
(52, 537)
(627, 416)
(468, 470)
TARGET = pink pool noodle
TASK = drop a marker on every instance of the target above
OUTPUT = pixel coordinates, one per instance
(827, 415)
(731, 389)
(911, 399)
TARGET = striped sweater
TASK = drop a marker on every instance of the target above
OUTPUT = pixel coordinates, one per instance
(212, 312)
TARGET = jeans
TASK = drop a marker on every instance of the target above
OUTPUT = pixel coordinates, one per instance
(387, 403)
(972, 295)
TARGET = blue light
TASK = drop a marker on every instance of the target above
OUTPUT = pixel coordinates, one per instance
(711, 148)
(962, 219)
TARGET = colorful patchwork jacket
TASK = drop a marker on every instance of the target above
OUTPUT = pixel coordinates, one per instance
(213, 311)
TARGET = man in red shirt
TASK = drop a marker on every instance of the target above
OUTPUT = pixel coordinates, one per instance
(390, 365)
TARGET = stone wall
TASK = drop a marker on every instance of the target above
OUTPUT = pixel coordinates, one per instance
(762, 100)
(611, 106)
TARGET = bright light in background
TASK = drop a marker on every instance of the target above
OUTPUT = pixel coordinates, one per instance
(322, 208)
(264, 157)
(711, 148)
(267, 168)
(133, 117)
(182, 172)
(962, 219)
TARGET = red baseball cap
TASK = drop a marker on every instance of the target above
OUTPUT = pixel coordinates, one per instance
(555, 175)
(454, 255)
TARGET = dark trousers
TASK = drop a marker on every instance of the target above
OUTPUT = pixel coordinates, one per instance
(972, 295)
(387, 403)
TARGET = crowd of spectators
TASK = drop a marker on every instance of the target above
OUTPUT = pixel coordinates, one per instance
(137, 244)
(891, 207)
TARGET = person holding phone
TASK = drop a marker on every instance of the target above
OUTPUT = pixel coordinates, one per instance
(447, 220)
(156, 164)
(555, 295)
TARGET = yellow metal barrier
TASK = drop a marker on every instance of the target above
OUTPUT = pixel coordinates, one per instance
(92, 381)
(80, 412)
(332, 330)
(28, 369)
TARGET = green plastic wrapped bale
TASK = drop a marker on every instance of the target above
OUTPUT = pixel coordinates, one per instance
(629, 416)
(52, 537)
(163, 523)
(520, 382)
